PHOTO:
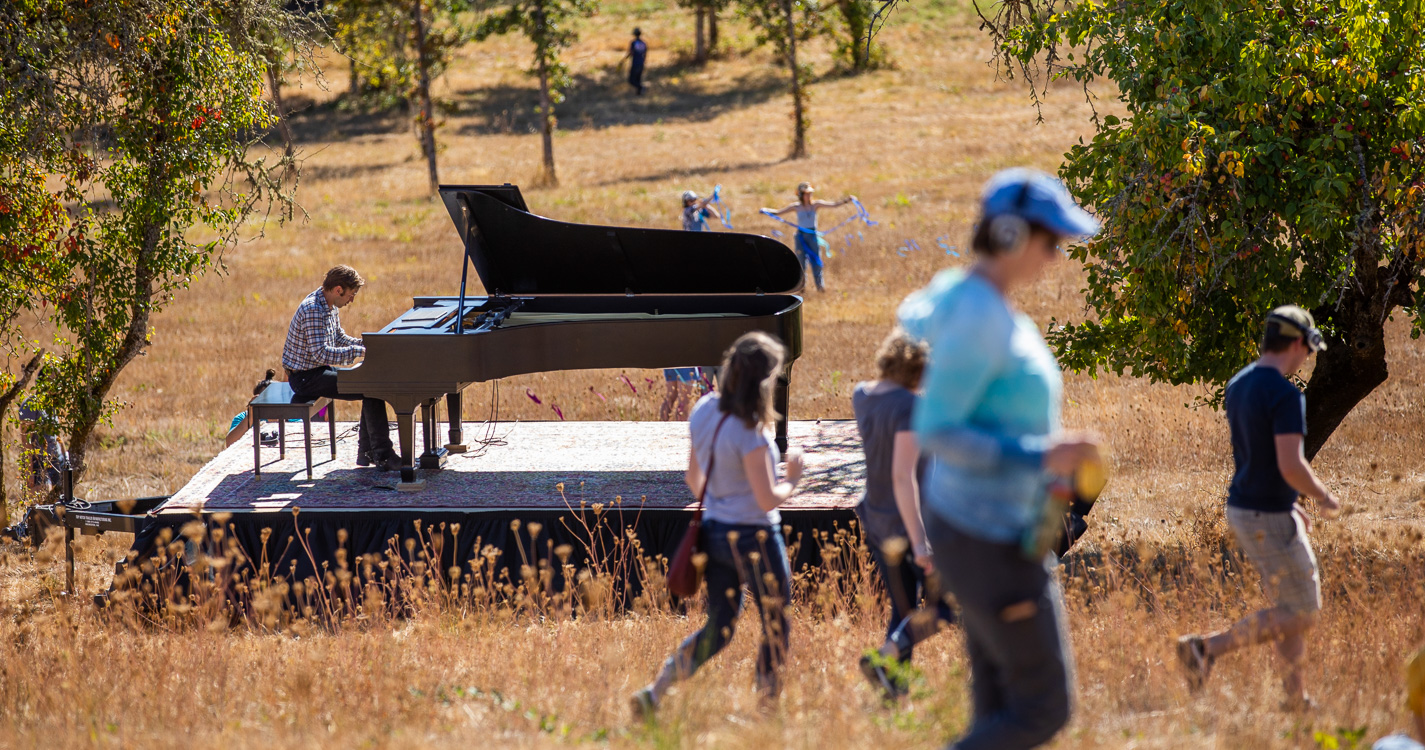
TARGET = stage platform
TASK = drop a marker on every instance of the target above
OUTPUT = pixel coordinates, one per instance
(589, 486)
(526, 466)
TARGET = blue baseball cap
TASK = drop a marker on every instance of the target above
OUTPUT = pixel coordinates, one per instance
(1038, 198)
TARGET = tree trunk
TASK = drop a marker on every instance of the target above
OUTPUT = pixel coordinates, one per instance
(426, 120)
(274, 83)
(799, 138)
(353, 80)
(546, 109)
(1355, 363)
(712, 30)
(700, 47)
(6, 400)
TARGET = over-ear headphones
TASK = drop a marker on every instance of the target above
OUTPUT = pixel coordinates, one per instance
(1008, 232)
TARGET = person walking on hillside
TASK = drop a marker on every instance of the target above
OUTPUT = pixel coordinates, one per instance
(889, 510)
(697, 211)
(989, 420)
(1267, 418)
(636, 55)
(809, 241)
(734, 454)
(317, 345)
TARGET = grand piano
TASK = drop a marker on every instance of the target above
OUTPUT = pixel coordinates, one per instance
(562, 296)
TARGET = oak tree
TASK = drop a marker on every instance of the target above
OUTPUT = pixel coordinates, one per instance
(1269, 152)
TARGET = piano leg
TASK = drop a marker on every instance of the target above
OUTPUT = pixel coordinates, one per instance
(406, 426)
(454, 411)
(780, 400)
(433, 457)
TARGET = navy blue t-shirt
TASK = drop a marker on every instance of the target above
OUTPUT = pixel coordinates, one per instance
(1261, 404)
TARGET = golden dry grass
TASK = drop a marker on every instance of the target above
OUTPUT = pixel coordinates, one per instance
(914, 143)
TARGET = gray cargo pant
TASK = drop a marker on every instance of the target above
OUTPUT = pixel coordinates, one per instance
(1013, 615)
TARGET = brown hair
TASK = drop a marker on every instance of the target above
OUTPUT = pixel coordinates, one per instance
(749, 373)
(901, 359)
(343, 276)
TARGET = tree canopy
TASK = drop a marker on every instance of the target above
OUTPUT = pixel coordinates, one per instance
(125, 123)
(1272, 152)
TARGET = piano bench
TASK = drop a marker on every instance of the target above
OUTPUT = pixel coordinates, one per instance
(275, 403)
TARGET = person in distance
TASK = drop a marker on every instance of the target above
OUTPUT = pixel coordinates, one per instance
(989, 419)
(889, 510)
(809, 241)
(697, 211)
(742, 536)
(1267, 417)
(317, 345)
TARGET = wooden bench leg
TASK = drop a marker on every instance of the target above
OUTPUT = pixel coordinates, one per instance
(281, 438)
(307, 439)
(331, 426)
(253, 424)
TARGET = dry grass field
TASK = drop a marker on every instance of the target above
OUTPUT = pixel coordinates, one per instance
(915, 143)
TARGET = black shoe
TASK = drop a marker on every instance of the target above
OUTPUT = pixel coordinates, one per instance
(363, 458)
(391, 461)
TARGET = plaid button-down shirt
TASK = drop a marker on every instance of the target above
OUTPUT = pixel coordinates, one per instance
(315, 337)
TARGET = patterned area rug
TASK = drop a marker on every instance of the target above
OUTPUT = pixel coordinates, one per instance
(516, 465)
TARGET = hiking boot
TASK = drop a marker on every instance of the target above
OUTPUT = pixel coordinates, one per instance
(644, 705)
(875, 670)
(1197, 665)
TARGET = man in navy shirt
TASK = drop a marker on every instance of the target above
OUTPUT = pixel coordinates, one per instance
(637, 53)
(1267, 417)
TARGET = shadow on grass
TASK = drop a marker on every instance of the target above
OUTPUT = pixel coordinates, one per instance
(334, 120)
(604, 100)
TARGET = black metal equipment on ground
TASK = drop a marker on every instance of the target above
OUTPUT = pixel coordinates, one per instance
(563, 296)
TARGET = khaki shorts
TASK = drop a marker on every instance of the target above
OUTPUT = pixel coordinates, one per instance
(1276, 544)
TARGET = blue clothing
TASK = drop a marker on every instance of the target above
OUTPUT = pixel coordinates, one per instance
(695, 219)
(1261, 404)
(683, 374)
(729, 495)
(991, 402)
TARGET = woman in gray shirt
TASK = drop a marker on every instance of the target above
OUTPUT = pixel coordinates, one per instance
(741, 526)
(889, 510)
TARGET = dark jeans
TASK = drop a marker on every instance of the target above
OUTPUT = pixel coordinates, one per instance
(635, 76)
(732, 565)
(373, 433)
(918, 611)
(1012, 612)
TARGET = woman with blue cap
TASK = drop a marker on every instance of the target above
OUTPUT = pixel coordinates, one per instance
(989, 423)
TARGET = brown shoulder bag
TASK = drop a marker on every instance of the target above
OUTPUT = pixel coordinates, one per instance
(684, 576)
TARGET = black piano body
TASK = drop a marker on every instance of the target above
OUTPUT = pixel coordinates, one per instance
(562, 296)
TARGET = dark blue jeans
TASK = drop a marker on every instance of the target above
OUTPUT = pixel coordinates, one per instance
(918, 610)
(1012, 612)
(373, 433)
(742, 555)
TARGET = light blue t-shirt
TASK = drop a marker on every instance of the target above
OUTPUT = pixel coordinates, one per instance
(991, 402)
(729, 498)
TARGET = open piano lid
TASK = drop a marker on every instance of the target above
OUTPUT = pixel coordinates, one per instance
(519, 254)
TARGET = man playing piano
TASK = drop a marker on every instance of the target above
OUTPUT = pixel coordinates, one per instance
(317, 345)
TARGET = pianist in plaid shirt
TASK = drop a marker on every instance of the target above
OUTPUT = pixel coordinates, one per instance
(316, 346)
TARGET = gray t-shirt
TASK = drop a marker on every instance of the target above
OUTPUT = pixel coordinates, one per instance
(879, 416)
(729, 497)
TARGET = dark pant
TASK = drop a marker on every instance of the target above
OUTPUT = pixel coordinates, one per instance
(373, 434)
(756, 552)
(635, 76)
(918, 611)
(1012, 612)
